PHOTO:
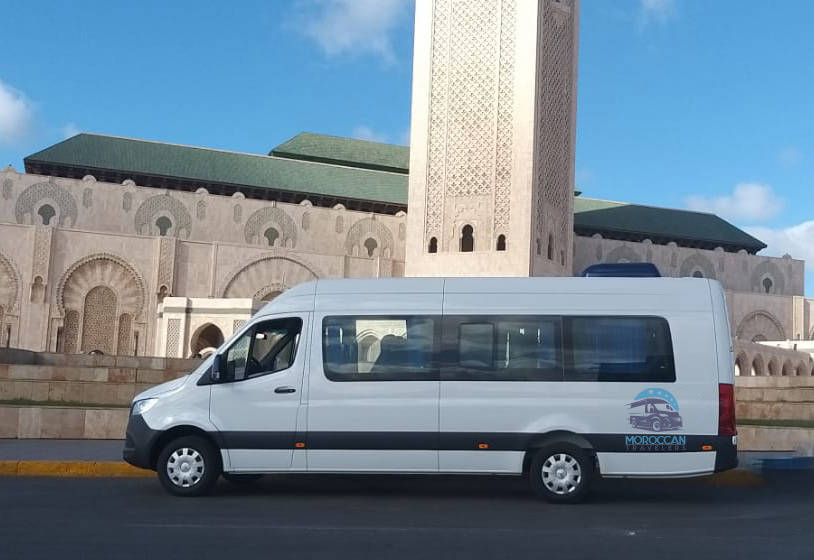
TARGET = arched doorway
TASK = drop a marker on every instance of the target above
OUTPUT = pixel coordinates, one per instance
(101, 297)
(205, 340)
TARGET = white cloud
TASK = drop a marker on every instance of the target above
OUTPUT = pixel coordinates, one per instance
(69, 130)
(16, 115)
(363, 132)
(656, 11)
(794, 240)
(789, 157)
(350, 27)
(748, 201)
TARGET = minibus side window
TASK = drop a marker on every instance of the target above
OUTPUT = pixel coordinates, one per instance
(269, 347)
(504, 348)
(619, 349)
(380, 348)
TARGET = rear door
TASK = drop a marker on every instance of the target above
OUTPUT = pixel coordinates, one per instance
(373, 382)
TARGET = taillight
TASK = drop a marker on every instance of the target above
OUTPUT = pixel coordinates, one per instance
(726, 410)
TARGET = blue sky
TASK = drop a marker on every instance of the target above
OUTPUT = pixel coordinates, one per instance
(682, 103)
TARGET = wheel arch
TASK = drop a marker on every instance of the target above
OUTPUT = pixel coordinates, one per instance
(177, 432)
(557, 436)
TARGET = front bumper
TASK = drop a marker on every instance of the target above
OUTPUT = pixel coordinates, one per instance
(139, 442)
(726, 453)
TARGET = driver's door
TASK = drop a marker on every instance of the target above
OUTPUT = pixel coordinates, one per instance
(254, 404)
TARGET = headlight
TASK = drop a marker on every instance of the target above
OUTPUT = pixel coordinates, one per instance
(142, 406)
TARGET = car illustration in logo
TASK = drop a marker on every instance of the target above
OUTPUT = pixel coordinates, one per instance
(655, 410)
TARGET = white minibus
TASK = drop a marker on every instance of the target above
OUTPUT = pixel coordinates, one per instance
(561, 379)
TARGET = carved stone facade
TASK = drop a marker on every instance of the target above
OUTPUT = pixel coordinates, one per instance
(493, 191)
(49, 274)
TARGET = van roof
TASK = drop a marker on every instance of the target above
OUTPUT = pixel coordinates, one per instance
(668, 287)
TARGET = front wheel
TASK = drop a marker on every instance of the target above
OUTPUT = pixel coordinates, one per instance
(189, 466)
(561, 473)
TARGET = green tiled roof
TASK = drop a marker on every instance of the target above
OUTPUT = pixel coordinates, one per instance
(92, 151)
(345, 151)
(660, 223)
(124, 157)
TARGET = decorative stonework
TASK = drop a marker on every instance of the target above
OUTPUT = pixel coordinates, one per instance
(237, 213)
(87, 198)
(767, 269)
(102, 269)
(623, 253)
(554, 124)
(505, 117)
(697, 263)
(98, 319)
(340, 224)
(268, 271)
(42, 251)
(306, 221)
(8, 189)
(200, 210)
(30, 200)
(270, 216)
(70, 332)
(760, 325)
(123, 343)
(163, 205)
(9, 285)
(368, 228)
(402, 231)
(237, 324)
(127, 201)
(165, 271)
(173, 337)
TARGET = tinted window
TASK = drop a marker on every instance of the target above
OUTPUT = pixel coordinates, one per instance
(380, 348)
(618, 349)
(269, 347)
(523, 348)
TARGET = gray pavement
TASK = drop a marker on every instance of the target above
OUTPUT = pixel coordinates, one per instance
(391, 518)
(61, 449)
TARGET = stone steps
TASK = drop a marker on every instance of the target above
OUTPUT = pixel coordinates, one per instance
(769, 438)
(56, 422)
(74, 392)
(778, 395)
(756, 410)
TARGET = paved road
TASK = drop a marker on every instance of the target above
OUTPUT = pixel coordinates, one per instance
(402, 517)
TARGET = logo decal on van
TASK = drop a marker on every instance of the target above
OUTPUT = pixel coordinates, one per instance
(655, 410)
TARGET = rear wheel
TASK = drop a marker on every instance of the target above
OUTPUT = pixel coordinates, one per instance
(561, 473)
(189, 466)
(655, 425)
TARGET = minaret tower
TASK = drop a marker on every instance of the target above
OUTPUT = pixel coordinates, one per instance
(492, 138)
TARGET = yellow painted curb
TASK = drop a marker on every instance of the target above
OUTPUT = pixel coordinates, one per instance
(82, 469)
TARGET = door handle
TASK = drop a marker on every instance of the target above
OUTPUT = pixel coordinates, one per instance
(285, 390)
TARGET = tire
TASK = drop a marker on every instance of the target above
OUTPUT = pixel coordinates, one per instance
(189, 466)
(655, 425)
(242, 479)
(561, 473)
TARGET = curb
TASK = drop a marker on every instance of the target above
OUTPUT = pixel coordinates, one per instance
(78, 469)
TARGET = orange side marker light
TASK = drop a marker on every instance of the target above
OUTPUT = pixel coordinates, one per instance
(483, 446)
(706, 448)
(299, 445)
